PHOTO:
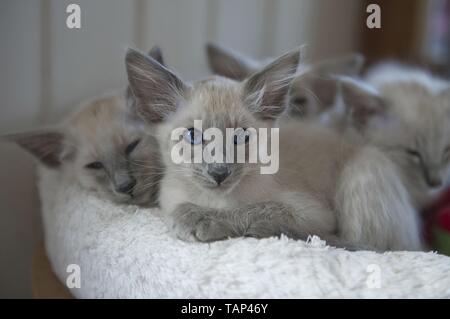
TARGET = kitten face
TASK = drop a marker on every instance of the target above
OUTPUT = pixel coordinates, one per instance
(408, 116)
(218, 104)
(102, 149)
(418, 136)
(162, 98)
(114, 155)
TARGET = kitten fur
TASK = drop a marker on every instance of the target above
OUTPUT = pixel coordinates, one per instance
(347, 194)
(313, 91)
(406, 113)
(127, 165)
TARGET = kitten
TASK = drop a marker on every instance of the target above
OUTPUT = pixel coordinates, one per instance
(406, 113)
(349, 195)
(313, 91)
(102, 148)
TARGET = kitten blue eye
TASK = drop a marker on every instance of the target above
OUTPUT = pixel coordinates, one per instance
(130, 148)
(94, 165)
(241, 136)
(193, 136)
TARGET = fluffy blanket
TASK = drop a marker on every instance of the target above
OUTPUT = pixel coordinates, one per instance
(127, 252)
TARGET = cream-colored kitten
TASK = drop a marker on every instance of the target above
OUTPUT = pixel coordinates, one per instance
(347, 194)
(406, 113)
(102, 148)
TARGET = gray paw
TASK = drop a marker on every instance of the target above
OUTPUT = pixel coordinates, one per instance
(194, 226)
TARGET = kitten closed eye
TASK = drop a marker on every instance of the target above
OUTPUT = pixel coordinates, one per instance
(94, 165)
(413, 153)
(131, 147)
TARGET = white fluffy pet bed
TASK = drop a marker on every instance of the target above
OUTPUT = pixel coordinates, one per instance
(127, 252)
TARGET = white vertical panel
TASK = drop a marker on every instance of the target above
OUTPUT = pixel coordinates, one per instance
(179, 27)
(294, 23)
(88, 61)
(242, 25)
(20, 56)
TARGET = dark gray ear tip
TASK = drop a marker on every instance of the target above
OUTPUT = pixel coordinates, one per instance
(155, 49)
(212, 48)
(295, 55)
(131, 51)
(134, 55)
(291, 57)
(156, 54)
(217, 51)
(45, 145)
(137, 57)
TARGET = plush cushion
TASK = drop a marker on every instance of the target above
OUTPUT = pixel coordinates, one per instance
(127, 252)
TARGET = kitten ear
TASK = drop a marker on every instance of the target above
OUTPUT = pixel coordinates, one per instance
(311, 92)
(157, 91)
(47, 146)
(350, 65)
(230, 64)
(156, 54)
(315, 89)
(361, 101)
(265, 91)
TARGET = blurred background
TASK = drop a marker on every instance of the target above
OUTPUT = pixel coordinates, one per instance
(46, 69)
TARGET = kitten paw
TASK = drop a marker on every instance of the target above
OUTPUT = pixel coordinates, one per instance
(196, 227)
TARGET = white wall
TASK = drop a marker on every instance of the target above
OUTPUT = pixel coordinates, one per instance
(46, 69)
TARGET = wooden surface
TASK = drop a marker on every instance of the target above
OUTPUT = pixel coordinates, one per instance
(399, 37)
(45, 284)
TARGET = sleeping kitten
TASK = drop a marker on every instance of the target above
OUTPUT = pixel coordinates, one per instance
(102, 148)
(406, 113)
(313, 91)
(348, 195)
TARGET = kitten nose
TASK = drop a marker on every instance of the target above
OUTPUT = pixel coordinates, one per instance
(434, 181)
(219, 173)
(127, 186)
(433, 178)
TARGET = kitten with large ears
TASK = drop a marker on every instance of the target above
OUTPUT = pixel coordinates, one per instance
(347, 194)
(102, 148)
(406, 113)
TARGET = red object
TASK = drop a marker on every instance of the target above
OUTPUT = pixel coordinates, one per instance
(443, 219)
(437, 213)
